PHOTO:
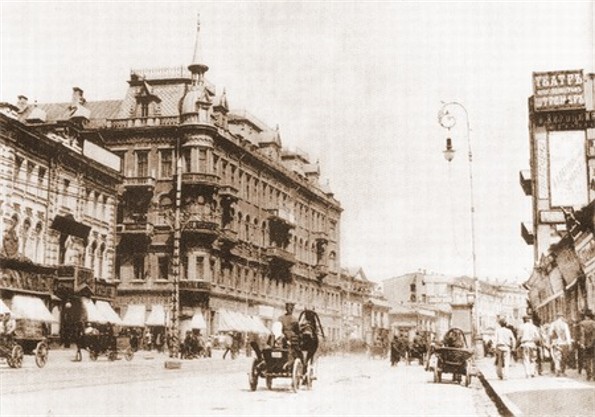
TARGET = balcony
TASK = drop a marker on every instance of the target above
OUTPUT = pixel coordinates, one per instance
(282, 216)
(143, 183)
(136, 228)
(195, 286)
(525, 180)
(320, 236)
(229, 192)
(280, 256)
(205, 228)
(79, 278)
(321, 271)
(228, 237)
(199, 179)
(142, 122)
(527, 234)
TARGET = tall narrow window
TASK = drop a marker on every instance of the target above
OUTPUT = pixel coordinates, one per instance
(164, 266)
(187, 159)
(144, 110)
(142, 164)
(200, 268)
(166, 163)
(202, 160)
(139, 267)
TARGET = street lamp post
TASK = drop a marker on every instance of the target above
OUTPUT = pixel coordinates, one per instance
(448, 121)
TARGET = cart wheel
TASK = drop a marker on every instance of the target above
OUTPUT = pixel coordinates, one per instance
(269, 382)
(16, 357)
(41, 354)
(78, 356)
(93, 355)
(129, 354)
(253, 376)
(112, 355)
(296, 375)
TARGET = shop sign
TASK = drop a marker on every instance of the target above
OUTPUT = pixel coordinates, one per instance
(577, 120)
(558, 90)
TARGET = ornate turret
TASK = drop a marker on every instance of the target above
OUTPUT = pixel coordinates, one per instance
(196, 105)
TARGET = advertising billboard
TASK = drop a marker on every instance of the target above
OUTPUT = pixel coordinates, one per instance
(558, 90)
(568, 169)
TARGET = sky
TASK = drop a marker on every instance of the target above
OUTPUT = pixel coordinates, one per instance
(356, 85)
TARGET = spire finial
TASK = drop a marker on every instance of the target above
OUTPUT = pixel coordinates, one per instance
(197, 67)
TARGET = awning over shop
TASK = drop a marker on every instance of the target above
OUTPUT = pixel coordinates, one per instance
(68, 225)
(4, 308)
(134, 316)
(108, 312)
(93, 313)
(31, 308)
(239, 322)
(198, 321)
(157, 316)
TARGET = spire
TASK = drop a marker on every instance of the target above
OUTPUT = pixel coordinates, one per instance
(197, 68)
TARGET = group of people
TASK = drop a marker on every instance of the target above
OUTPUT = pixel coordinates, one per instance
(7, 325)
(553, 340)
(194, 345)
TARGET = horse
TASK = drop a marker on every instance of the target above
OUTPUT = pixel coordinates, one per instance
(310, 329)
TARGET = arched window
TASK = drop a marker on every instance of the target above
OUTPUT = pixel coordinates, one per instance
(92, 254)
(38, 243)
(25, 238)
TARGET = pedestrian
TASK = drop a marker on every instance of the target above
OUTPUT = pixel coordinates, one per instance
(229, 341)
(505, 342)
(529, 338)
(587, 343)
(560, 339)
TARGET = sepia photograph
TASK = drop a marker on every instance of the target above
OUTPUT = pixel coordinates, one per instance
(297, 208)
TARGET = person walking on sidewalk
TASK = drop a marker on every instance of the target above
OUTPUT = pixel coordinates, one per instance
(561, 340)
(505, 342)
(587, 343)
(529, 338)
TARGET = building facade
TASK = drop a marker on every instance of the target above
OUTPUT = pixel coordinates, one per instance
(58, 195)
(214, 214)
(453, 298)
(561, 184)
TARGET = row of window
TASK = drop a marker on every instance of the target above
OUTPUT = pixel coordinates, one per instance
(196, 159)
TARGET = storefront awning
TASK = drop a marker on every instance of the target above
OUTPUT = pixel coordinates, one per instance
(134, 316)
(31, 308)
(198, 321)
(108, 312)
(240, 322)
(68, 225)
(4, 308)
(157, 316)
(93, 313)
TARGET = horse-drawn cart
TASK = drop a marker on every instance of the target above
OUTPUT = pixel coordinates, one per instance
(273, 363)
(454, 357)
(30, 328)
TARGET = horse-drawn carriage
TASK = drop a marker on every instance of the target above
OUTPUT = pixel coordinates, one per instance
(453, 357)
(274, 360)
(100, 340)
(29, 336)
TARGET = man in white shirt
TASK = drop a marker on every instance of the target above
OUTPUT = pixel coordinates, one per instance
(559, 335)
(529, 336)
(505, 342)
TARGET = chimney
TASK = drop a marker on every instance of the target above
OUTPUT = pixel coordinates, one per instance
(22, 103)
(77, 96)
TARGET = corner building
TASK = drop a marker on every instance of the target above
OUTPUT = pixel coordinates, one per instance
(211, 198)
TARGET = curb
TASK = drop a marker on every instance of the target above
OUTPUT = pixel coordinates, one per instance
(504, 405)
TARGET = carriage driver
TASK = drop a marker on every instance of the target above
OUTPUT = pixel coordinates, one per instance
(291, 331)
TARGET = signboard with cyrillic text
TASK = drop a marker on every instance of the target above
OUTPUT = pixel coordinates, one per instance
(558, 90)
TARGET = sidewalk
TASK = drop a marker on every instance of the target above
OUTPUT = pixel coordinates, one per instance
(542, 395)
